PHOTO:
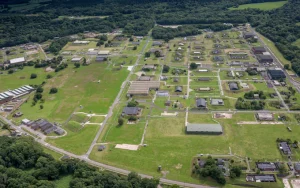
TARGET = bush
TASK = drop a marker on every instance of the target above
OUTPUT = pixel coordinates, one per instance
(10, 71)
(39, 90)
(120, 121)
(53, 90)
(166, 69)
(193, 66)
(49, 76)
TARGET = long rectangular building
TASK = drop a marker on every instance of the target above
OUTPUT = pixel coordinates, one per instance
(142, 87)
(16, 93)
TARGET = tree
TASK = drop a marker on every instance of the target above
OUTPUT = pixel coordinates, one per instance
(282, 169)
(77, 65)
(7, 52)
(157, 53)
(132, 103)
(166, 69)
(120, 121)
(10, 71)
(147, 54)
(33, 76)
(39, 90)
(53, 90)
(193, 66)
(287, 66)
(235, 171)
(41, 106)
(38, 96)
(134, 48)
(49, 76)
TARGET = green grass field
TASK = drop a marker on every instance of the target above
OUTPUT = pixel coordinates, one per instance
(63, 182)
(77, 143)
(75, 88)
(261, 6)
(21, 78)
(297, 43)
(166, 140)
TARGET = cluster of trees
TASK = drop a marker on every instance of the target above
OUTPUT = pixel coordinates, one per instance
(242, 104)
(280, 25)
(57, 45)
(102, 40)
(251, 72)
(170, 33)
(250, 95)
(45, 63)
(211, 169)
(166, 69)
(24, 164)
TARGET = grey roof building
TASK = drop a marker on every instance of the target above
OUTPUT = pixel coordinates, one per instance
(145, 78)
(266, 166)
(275, 74)
(260, 178)
(297, 167)
(264, 116)
(178, 89)
(285, 148)
(201, 103)
(217, 102)
(204, 79)
(215, 129)
(233, 86)
(264, 58)
(131, 111)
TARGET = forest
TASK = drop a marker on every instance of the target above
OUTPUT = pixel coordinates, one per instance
(24, 164)
(139, 17)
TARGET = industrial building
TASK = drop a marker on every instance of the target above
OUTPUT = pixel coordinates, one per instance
(264, 116)
(213, 129)
(142, 87)
(14, 94)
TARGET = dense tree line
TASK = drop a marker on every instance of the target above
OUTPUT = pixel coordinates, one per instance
(24, 164)
(169, 33)
(57, 45)
(242, 104)
(138, 18)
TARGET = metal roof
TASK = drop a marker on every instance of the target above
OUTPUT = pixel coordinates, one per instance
(201, 102)
(142, 87)
(214, 128)
(131, 110)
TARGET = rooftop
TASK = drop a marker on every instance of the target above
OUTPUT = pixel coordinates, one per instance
(213, 128)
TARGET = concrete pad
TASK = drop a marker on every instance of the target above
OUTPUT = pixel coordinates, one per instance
(295, 183)
(127, 147)
(286, 183)
(260, 123)
(169, 114)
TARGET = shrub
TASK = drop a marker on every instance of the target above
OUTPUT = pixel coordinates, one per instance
(53, 90)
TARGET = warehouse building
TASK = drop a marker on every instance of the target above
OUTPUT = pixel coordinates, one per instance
(142, 87)
(210, 129)
(264, 58)
(276, 74)
(264, 116)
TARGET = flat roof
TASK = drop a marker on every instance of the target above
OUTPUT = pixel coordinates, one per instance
(142, 87)
(17, 60)
(193, 127)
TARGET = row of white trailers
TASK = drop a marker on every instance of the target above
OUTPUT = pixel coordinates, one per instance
(16, 92)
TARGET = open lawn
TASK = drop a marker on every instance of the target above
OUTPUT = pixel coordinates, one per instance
(76, 142)
(63, 182)
(97, 119)
(55, 155)
(21, 78)
(166, 140)
(261, 6)
(297, 43)
(125, 134)
(77, 87)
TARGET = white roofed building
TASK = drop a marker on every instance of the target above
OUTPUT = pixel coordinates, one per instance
(17, 60)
